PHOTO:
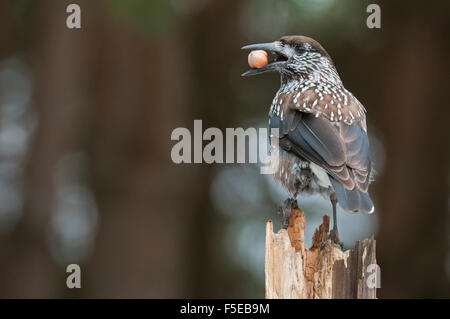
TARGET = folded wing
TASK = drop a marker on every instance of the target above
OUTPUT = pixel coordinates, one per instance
(340, 149)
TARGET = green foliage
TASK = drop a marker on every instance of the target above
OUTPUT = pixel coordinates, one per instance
(153, 17)
(325, 20)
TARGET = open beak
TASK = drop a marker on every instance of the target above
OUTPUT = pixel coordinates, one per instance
(272, 47)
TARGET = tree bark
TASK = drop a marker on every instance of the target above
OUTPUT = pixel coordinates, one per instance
(323, 271)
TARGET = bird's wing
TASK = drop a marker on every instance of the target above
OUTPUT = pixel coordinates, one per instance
(330, 101)
(341, 149)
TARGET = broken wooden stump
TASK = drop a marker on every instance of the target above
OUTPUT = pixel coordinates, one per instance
(294, 272)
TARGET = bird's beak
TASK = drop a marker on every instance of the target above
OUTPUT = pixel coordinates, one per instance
(272, 47)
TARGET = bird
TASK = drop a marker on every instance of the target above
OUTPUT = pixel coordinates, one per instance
(322, 146)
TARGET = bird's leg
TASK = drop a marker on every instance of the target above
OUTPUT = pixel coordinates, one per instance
(333, 236)
(288, 205)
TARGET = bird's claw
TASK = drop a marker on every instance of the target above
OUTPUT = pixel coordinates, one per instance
(290, 203)
(333, 238)
(285, 211)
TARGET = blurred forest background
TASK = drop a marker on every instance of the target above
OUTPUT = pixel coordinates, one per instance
(86, 118)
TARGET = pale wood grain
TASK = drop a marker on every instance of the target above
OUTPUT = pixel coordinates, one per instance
(294, 272)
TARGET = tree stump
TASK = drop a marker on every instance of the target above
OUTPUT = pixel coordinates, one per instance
(294, 272)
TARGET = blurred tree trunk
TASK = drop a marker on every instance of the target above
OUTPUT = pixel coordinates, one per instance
(146, 217)
(215, 37)
(153, 227)
(109, 91)
(413, 115)
(28, 269)
(8, 30)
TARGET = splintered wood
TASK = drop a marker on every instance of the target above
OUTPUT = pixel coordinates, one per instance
(294, 272)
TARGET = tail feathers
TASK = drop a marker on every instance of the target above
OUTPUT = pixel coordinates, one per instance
(352, 200)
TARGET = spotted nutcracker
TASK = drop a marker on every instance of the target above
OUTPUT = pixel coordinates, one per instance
(323, 145)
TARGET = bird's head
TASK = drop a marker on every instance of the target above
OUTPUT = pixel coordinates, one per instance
(295, 56)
